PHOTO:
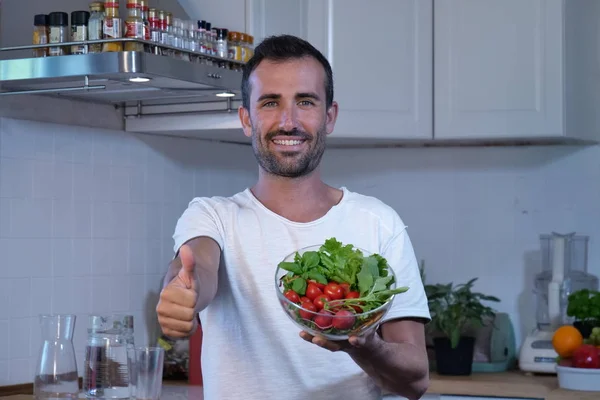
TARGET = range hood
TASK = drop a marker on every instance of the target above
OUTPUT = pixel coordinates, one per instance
(126, 79)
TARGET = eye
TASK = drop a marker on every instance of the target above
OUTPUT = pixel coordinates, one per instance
(306, 103)
(270, 104)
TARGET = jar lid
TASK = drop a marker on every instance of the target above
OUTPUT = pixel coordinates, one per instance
(79, 18)
(58, 18)
(97, 6)
(40, 20)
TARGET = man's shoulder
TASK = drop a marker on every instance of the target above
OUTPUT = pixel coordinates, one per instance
(219, 202)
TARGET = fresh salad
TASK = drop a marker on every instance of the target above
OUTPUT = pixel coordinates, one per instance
(336, 286)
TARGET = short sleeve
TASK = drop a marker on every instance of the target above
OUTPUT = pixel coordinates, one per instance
(199, 219)
(401, 257)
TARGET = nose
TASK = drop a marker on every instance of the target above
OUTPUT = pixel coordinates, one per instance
(287, 118)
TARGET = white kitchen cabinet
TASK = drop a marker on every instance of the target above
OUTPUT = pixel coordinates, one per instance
(516, 69)
(381, 55)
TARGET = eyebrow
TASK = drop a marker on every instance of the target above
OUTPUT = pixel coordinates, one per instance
(303, 95)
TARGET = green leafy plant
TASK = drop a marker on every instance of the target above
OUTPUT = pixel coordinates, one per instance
(584, 305)
(455, 308)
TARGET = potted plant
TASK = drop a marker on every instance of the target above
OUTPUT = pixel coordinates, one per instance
(455, 310)
(584, 306)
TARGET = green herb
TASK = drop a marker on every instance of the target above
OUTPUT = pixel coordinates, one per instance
(584, 305)
(335, 262)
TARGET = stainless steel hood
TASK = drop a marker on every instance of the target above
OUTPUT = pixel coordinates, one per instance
(107, 77)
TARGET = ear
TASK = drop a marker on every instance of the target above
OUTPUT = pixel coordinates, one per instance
(244, 115)
(332, 114)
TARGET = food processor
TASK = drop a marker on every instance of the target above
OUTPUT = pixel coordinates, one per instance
(564, 271)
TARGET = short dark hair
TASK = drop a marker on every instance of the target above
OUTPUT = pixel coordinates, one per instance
(283, 48)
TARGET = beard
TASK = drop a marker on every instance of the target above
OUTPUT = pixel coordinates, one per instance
(292, 164)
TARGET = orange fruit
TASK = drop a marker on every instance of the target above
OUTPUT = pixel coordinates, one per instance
(566, 340)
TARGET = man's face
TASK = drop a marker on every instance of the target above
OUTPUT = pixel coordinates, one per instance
(288, 119)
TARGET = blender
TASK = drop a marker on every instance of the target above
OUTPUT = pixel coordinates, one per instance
(564, 270)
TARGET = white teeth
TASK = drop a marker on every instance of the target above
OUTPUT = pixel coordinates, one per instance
(288, 142)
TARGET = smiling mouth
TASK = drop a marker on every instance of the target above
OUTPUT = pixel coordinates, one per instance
(288, 142)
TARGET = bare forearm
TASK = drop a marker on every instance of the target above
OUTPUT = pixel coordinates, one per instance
(400, 368)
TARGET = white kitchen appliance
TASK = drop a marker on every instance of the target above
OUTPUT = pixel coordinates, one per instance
(564, 270)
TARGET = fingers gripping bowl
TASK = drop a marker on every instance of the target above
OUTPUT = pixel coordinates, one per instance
(335, 290)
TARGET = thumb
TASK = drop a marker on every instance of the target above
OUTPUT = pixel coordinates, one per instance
(370, 341)
(188, 264)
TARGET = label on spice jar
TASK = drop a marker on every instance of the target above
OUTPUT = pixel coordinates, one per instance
(57, 35)
(134, 30)
(79, 34)
(112, 28)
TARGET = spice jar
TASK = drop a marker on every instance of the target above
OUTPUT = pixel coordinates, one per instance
(79, 31)
(233, 46)
(95, 26)
(59, 32)
(112, 28)
(134, 26)
(145, 18)
(40, 34)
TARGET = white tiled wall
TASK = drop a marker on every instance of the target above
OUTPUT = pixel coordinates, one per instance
(86, 217)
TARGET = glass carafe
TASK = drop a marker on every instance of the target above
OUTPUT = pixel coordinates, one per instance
(56, 374)
(106, 374)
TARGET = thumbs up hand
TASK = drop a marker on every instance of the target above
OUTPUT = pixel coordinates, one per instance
(176, 308)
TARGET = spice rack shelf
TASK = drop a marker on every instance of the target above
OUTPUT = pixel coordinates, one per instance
(159, 75)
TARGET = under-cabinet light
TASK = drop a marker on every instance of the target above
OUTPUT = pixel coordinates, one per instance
(225, 94)
(139, 79)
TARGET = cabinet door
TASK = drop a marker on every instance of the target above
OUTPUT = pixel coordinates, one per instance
(381, 55)
(498, 68)
(276, 17)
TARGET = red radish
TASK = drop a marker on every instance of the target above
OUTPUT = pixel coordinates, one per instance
(292, 296)
(317, 284)
(323, 320)
(306, 313)
(312, 291)
(334, 291)
(320, 301)
(345, 287)
(343, 319)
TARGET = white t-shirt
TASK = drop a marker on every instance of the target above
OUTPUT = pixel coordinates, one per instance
(251, 349)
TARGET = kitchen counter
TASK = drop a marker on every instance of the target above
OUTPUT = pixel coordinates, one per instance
(506, 384)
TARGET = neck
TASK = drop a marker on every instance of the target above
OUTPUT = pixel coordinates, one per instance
(299, 199)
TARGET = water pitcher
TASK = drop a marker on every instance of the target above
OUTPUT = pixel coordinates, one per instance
(56, 374)
(107, 368)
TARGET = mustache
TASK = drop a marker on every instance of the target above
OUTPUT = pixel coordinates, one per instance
(293, 133)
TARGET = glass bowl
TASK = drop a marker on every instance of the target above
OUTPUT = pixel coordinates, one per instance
(332, 317)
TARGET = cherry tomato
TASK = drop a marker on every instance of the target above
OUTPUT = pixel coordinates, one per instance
(319, 285)
(323, 320)
(586, 356)
(343, 319)
(346, 288)
(292, 296)
(312, 291)
(306, 313)
(304, 298)
(334, 291)
(320, 301)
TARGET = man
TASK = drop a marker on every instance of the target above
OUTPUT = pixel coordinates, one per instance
(228, 250)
